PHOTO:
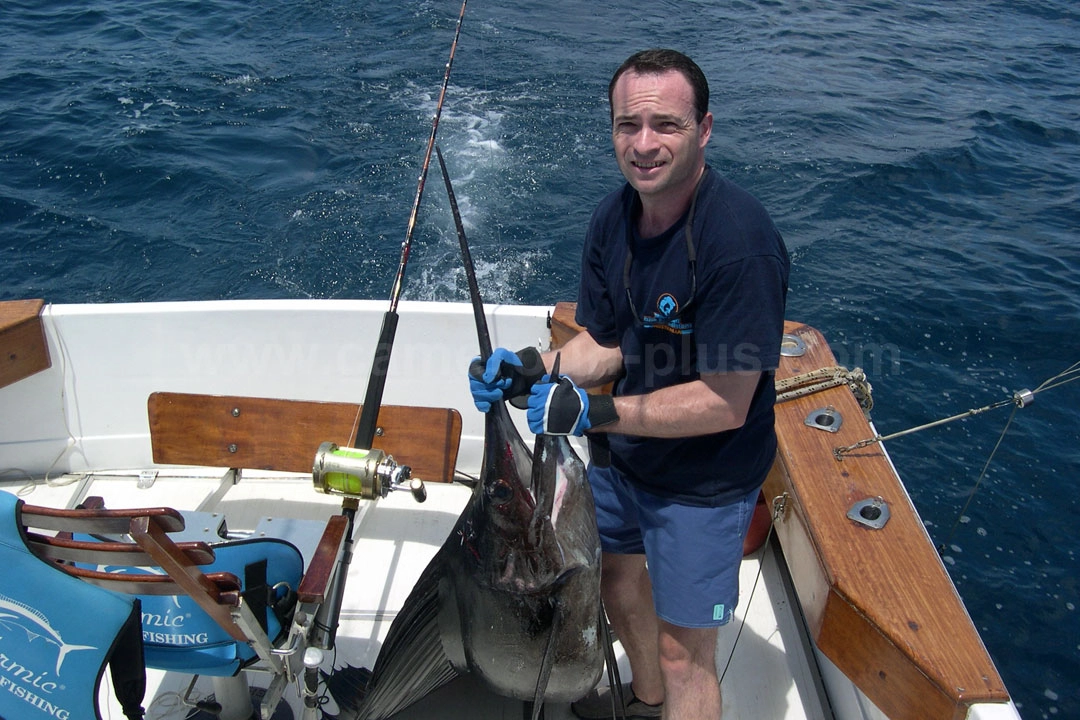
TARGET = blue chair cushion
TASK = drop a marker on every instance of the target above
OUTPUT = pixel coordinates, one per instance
(56, 631)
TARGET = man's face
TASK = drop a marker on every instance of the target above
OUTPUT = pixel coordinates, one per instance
(659, 145)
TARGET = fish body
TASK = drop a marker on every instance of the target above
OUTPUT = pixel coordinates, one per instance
(512, 596)
(526, 588)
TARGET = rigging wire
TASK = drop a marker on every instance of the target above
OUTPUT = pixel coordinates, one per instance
(975, 488)
(1064, 377)
(1019, 399)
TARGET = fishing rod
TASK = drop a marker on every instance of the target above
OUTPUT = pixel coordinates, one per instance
(365, 431)
(358, 472)
(470, 269)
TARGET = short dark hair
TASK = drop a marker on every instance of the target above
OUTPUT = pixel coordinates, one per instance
(659, 60)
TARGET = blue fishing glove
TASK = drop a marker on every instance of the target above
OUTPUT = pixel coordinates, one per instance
(562, 408)
(505, 376)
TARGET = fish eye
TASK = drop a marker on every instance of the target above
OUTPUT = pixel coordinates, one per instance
(501, 492)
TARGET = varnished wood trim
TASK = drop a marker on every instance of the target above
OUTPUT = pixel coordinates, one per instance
(97, 520)
(321, 568)
(276, 434)
(23, 348)
(879, 602)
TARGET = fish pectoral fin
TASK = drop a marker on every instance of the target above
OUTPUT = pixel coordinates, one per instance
(548, 660)
(566, 575)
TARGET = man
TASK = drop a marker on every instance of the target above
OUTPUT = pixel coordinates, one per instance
(682, 297)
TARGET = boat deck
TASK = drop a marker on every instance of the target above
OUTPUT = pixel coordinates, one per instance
(771, 674)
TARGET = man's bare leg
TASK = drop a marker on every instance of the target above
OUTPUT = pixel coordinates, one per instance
(688, 666)
(627, 594)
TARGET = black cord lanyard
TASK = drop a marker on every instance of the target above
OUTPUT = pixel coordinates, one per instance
(691, 255)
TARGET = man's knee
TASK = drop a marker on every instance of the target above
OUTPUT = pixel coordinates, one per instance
(686, 650)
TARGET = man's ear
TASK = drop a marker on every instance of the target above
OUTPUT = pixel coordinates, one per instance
(706, 129)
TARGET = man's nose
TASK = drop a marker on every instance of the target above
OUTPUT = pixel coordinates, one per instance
(646, 140)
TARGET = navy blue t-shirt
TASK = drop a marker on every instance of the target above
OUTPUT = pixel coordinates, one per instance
(725, 315)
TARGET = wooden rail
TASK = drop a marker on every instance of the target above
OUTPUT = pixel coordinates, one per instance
(879, 602)
(274, 434)
(23, 348)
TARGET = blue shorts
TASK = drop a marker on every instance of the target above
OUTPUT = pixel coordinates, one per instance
(693, 553)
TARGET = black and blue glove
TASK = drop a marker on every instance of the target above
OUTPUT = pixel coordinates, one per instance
(562, 408)
(505, 376)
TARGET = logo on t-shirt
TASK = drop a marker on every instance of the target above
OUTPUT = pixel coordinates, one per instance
(667, 317)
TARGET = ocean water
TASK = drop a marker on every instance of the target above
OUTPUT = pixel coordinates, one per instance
(922, 160)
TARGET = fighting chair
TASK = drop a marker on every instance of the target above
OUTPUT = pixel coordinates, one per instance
(242, 605)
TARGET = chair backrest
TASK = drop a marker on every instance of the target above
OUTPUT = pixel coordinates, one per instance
(57, 633)
(188, 590)
(273, 434)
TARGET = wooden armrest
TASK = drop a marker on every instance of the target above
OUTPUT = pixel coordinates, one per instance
(321, 568)
(228, 593)
(151, 537)
(216, 593)
(65, 549)
(99, 521)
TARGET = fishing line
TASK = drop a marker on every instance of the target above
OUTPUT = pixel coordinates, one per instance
(488, 174)
(1066, 376)
(365, 431)
(975, 488)
(777, 509)
(395, 293)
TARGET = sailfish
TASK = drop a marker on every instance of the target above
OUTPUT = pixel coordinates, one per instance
(513, 595)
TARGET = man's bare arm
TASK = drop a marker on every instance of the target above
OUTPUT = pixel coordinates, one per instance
(714, 403)
(587, 362)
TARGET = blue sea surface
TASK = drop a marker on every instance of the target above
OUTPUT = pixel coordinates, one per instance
(922, 160)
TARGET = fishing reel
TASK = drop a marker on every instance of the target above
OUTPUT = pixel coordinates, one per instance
(362, 474)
